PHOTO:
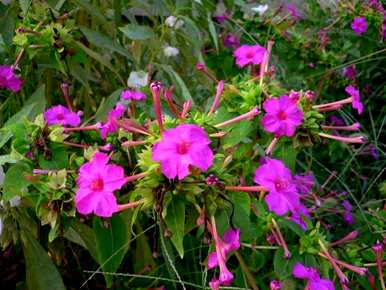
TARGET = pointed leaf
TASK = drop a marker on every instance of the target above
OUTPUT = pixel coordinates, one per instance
(175, 220)
(41, 272)
(112, 243)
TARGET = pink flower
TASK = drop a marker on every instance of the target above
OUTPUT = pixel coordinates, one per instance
(111, 125)
(347, 215)
(277, 178)
(304, 183)
(282, 116)
(60, 115)
(283, 196)
(133, 95)
(249, 54)
(356, 98)
(291, 8)
(350, 72)
(97, 180)
(231, 243)
(214, 284)
(181, 147)
(275, 285)
(218, 258)
(312, 275)
(8, 80)
(359, 25)
(231, 40)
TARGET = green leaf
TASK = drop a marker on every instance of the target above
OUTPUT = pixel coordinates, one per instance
(103, 41)
(286, 153)
(5, 136)
(15, 182)
(8, 158)
(107, 105)
(95, 12)
(32, 107)
(112, 243)
(98, 57)
(41, 272)
(175, 220)
(84, 236)
(24, 5)
(137, 32)
(212, 31)
(282, 266)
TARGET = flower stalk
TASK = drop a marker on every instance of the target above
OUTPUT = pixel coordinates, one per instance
(249, 115)
(356, 139)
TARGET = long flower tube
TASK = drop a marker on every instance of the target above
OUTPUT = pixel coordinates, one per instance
(252, 113)
(356, 139)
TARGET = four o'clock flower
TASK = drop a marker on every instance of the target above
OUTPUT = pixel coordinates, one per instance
(275, 285)
(283, 196)
(97, 180)
(359, 25)
(8, 79)
(60, 115)
(282, 116)
(133, 95)
(111, 125)
(312, 275)
(231, 242)
(181, 147)
(347, 215)
(249, 54)
(356, 98)
(304, 183)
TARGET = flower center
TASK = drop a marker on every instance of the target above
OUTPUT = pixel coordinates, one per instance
(250, 53)
(280, 185)
(97, 184)
(60, 116)
(183, 147)
(282, 115)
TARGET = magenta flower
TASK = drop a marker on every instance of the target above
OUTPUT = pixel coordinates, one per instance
(277, 179)
(231, 40)
(356, 98)
(291, 9)
(60, 115)
(282, 116)
(185, 145)
(218, 258)
(249, 54)
(347, 215)
(304, 183)
(275, 285)
(8, 80)
(359, 25)
(214, 284)
(283, 196)
(111, 125)
(97, 180)
(133, 95)
(231, 243)
(312, 275)
(350, 72)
